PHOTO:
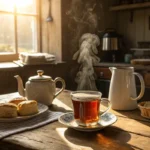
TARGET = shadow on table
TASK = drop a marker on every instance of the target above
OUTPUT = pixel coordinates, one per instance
(54, 107)
(108, 138)
(131, 114)
(134, 114)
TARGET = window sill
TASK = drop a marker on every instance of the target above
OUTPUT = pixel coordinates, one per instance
(8, 65)
(51, 63)
(15, 64)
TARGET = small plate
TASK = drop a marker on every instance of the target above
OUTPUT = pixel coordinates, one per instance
(41, 107)
(106, 120)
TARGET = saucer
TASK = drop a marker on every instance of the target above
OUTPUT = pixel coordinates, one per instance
(105, 120)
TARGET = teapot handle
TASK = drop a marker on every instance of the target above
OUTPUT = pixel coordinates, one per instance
(142, 86)
(58, 79)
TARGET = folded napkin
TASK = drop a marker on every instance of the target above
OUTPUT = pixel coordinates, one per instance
(10, 128)
(36, 58)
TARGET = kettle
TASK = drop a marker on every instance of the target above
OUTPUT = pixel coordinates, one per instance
(110, 40)
(122, 90)
(40, 88)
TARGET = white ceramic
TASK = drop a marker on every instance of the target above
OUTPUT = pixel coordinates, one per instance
(41, 107)
(40, 88)
(122, 91)
(105, 120)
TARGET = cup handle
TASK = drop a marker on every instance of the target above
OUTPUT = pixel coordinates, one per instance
(109, 106)
(58, 79)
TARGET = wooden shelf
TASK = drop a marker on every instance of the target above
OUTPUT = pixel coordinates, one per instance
(130, 6)
(140, 49)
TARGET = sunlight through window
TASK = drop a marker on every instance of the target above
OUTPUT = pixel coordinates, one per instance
(23, 3)
(18, 28)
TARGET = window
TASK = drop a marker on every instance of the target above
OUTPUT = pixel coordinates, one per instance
(18, 27)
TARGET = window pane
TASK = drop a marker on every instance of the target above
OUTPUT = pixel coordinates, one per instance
(7, 43)
(26, 6)
(7, 5)
(27, 39)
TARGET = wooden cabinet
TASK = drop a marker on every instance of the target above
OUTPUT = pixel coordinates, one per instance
(103, 72)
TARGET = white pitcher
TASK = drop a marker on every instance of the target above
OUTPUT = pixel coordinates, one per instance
(122, 91)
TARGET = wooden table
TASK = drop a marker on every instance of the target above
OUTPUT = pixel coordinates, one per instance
(131, 131)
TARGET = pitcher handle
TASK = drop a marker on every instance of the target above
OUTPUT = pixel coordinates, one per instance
(108, 108)
(142, 86)
(58, 79)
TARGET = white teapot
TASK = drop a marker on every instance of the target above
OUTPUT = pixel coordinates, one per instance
(40, 88)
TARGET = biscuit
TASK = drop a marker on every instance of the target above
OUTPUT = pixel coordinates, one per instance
(8, 110)
(27, 108)
(17, 100)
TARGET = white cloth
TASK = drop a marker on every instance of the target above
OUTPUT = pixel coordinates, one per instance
(36, 58)
(7, 129)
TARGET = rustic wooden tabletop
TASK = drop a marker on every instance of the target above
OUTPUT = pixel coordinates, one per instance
(131, 131)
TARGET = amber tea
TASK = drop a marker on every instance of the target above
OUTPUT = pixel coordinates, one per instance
(86, 107)
(86, 111)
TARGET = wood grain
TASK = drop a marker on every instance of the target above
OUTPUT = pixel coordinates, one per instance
(129, 132)
(51, 31)
(135, 31)
(130, 6)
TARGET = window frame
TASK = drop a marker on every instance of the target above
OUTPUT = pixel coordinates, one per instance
(14, 56)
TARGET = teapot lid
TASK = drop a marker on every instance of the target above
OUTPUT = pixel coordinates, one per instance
(40, 77)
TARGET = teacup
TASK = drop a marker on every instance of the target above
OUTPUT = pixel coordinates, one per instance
(86, 106)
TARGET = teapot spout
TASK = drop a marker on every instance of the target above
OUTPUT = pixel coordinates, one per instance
(21, 89)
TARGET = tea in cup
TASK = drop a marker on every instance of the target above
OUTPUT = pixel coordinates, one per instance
(86, 106)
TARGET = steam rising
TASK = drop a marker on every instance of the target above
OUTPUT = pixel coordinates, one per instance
(86, 56)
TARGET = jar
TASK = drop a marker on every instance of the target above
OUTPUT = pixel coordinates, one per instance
(127, 58)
